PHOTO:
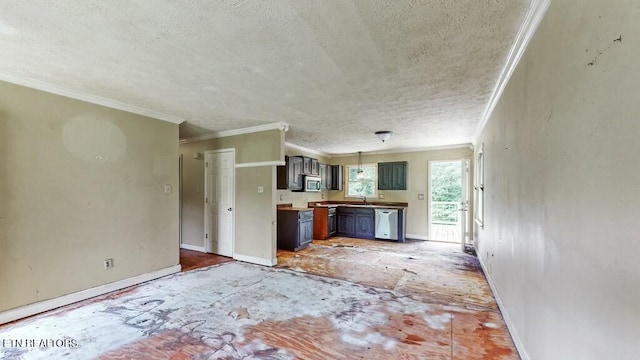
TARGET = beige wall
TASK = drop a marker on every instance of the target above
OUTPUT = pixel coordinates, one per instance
(417, 182)
(80, 183)
(255, 213)
(560, 240)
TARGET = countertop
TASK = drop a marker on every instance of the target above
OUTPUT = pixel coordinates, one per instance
(356, 205)
(294, 209)
(290, 207)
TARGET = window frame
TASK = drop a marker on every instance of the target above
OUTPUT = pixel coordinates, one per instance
(374, 180)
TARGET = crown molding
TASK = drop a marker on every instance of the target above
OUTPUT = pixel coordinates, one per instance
(529, 26)
(302, 148)
(398, 151)
(93, 99)
(254, 129)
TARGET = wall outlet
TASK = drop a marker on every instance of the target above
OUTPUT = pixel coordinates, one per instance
(381, 196)
(108, 263)
(260, 189)
(167, 189)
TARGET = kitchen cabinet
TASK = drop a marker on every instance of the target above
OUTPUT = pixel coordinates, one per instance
(325, 176)
(346, 222)
(289, 176)
(392, 175)
(333, 222)
(324, 222)
(336, 177)
(306, 165)
(315, 167)
(329, 179)
(365, 223)
(356, 222)
(295, 229)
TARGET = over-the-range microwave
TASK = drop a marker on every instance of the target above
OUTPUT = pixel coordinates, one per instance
(311, 183)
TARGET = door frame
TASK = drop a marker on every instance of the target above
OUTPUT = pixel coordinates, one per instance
(206, 207)
(465, 194)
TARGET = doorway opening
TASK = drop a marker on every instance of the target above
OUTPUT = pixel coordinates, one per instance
(448, 202)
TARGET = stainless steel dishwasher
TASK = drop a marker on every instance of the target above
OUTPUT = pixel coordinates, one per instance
(387, 224)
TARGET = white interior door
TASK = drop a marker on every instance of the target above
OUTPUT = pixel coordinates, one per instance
(464, 204)
(219, 202)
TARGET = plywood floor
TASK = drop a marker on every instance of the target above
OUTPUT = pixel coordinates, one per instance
(339, 299)
(435, 273)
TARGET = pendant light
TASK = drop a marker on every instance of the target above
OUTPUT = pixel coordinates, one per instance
(360, 173)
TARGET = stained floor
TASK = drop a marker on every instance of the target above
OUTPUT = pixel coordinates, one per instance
(190, 260)
(372, 300)
(435, 273)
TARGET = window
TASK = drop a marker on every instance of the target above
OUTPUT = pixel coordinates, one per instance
(362, 187)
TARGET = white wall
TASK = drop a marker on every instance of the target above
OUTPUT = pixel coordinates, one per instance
(562, 185)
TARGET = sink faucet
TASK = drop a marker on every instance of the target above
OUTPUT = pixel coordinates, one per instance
(364, 199)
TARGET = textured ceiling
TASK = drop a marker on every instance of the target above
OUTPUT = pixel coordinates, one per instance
(335, 71)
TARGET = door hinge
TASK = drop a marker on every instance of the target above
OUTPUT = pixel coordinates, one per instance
(206, 164)
(206, 200)
(206, 236)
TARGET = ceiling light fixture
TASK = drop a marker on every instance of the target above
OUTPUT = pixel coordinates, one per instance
(384, 135)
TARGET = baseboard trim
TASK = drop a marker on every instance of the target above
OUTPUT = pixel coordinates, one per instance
(512, 330)
(192, 247)
(417, 237)
(255, 260)
(46, 305)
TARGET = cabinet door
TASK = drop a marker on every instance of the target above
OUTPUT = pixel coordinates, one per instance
(384, 176)
(328, 177)
(305, 232)
(315, 167)
(332, 225)
(399, 175)
(346, 224)
(365, 225)
(294, 171)
(306, 165)
(323, 176)
(336, 177)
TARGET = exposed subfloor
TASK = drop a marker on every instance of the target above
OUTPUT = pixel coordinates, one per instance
(418, 300)
(435, 273)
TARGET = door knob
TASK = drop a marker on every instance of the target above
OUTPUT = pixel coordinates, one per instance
(229, 209)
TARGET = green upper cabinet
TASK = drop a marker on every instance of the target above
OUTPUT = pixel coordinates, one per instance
(392, 175)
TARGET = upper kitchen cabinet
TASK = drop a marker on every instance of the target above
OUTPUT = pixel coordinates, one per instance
(325, 176)
(392, 175)
(290, 174)
(336, 177)
(315, 167)
(306, 165)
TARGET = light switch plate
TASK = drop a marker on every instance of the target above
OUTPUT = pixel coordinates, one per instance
(260, 189)
(167, 189)
(381, 196)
